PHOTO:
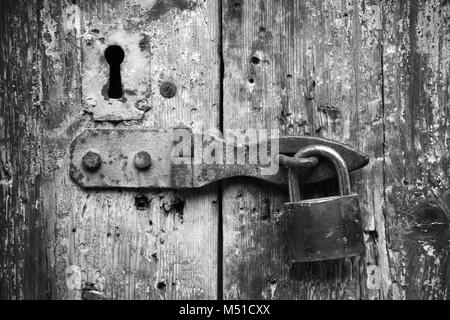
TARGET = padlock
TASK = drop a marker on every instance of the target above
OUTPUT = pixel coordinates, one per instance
(323, 228)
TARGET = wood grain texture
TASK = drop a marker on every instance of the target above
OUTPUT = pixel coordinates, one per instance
(57, 239)
(373, 74)
(23, 265)
(307, 68)
(416, 57)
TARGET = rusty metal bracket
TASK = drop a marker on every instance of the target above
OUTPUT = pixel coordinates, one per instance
(113, 158)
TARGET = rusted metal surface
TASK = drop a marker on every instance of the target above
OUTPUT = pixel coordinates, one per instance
(114, 110)
(323, 228)
(338, 163)
(101, 35)
(293, 162)
(119, 148)
(91, 161)
(142, 160)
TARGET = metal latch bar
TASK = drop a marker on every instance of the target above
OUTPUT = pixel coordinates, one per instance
(116, 158)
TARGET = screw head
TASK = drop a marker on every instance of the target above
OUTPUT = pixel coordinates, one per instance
(91, 161)
(168, 89)
(142, 160)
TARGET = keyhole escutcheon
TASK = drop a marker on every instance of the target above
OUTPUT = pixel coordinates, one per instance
(114, 55)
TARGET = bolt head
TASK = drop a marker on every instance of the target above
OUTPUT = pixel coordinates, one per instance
(91, 161)
(168, 89)
(142, 160)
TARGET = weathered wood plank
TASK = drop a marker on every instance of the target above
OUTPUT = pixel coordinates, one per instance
(99, 239)
(156, 255)
(23, 265)
(308, 68)
(416, 72)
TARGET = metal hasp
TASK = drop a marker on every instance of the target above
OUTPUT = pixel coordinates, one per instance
(160, 159)
(323, 228)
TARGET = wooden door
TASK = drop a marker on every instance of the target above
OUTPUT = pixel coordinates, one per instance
(372, 73)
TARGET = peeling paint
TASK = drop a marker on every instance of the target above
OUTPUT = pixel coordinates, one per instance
(73, 277)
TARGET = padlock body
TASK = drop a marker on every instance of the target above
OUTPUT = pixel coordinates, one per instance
(324, 228)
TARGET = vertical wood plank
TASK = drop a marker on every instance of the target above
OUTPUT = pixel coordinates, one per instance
(308, 68)
(23, 265)
(166, 248)
(416, 72)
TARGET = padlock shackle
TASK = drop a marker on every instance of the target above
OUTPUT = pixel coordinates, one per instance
(322, 151)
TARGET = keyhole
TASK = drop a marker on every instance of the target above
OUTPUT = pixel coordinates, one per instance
(114, 55)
